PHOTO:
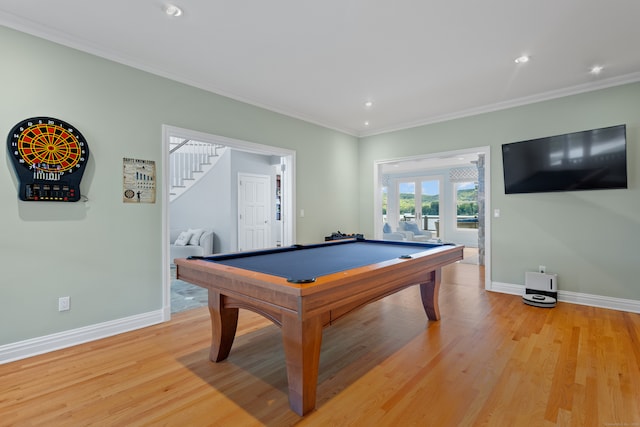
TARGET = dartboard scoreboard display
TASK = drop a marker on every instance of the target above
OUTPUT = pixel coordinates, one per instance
(49, 156)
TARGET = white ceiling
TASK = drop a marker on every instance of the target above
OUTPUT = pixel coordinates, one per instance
(419, 61)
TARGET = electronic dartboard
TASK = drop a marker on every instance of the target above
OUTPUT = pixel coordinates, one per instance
(49, 156)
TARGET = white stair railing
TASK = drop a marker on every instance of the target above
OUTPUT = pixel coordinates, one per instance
(188, 162)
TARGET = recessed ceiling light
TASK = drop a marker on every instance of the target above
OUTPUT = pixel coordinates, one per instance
(368, 104)
(173, 10)
(366, 123)
(522, 59)
(596, 69)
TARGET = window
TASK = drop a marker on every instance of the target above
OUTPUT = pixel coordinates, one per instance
(466, 195)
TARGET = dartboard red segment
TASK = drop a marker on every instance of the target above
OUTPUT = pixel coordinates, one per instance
(44, 146)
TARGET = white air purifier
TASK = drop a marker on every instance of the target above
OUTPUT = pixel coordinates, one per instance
(541, 289)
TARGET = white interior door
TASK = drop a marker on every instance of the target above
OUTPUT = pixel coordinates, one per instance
(254, 211)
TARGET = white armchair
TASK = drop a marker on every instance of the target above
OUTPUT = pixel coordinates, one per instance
(389, 234)
(412, 232)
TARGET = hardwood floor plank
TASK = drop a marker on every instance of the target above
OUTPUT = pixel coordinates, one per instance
(490, 361)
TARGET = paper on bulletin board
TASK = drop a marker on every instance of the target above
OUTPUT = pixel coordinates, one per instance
(139, 181)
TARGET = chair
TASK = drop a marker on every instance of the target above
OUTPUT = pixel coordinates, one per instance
(389, 234)
(413, 232)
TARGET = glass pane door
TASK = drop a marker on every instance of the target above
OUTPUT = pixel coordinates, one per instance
(407, 200)
(466, 205)
(419, 201)
(430, 204)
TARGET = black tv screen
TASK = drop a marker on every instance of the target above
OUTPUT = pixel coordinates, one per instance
(589, 160)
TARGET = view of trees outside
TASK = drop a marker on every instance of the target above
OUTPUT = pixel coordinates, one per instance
(430, 198)
(430, 202)
(466, 201)
(467, 198)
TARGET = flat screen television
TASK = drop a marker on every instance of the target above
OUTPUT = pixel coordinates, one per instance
(589, 160)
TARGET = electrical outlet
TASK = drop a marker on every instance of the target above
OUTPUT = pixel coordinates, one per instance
(542, 268)
(64, 304)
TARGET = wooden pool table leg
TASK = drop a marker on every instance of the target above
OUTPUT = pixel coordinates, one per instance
(429, 294)
(302, 340)
(224, 322)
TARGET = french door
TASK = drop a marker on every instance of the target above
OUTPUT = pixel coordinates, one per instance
(413, 199)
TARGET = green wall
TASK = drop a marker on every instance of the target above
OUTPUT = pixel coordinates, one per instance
(589, 238)
(104, 254)
(108, 256)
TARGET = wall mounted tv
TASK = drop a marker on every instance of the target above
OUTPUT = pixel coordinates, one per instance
(589, 160)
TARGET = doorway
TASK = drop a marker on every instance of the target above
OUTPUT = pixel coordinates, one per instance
(462, 199)
(282, 159)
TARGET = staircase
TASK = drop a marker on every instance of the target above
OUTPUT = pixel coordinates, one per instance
(188, 162)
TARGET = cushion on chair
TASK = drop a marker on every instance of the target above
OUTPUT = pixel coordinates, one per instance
(413, 232)
(412, 227)
(183, 239)
(195, 236)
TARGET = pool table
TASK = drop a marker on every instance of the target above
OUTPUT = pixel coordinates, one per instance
(302, 289)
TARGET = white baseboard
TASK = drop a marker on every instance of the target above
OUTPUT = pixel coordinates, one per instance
(32, 347)
(506, 288)
(620, 304)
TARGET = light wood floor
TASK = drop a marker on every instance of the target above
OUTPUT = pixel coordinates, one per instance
(490, 361)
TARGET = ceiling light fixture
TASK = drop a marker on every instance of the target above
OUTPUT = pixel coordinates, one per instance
(522, 59)
(173, 10)
(366, 123)
(368, 104)
(596, 69)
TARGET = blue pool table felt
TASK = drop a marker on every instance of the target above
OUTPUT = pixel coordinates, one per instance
(303, 264)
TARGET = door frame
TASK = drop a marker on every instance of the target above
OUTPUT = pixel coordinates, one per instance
(288, 207)
(377, 195)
